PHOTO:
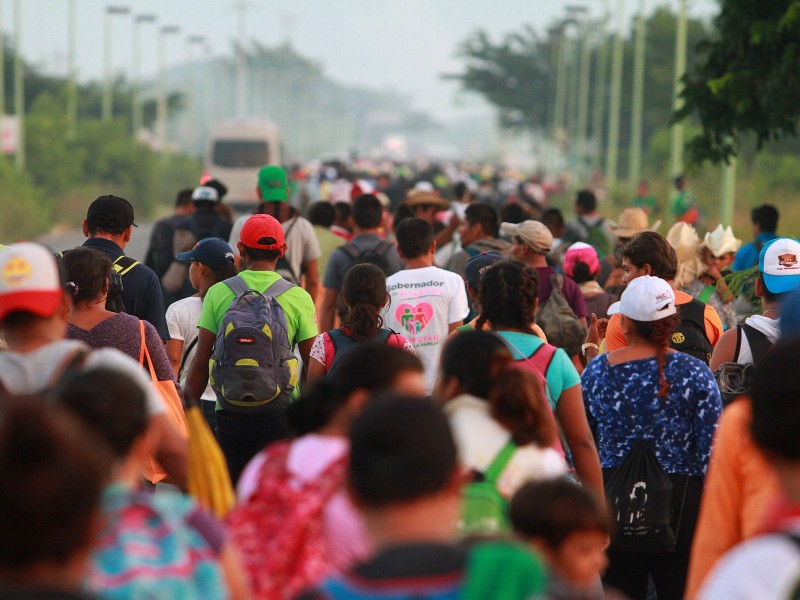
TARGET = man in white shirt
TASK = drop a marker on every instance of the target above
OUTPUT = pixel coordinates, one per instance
(426, 302)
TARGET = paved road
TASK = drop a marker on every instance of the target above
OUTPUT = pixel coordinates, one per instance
(65, 239)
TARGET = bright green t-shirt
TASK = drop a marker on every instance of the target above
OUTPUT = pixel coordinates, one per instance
(301, 318)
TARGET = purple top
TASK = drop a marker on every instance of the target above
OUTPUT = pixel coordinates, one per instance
(121, 331)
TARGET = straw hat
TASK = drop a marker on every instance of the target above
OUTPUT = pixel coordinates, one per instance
(417, 197)
(721, 241)
(684, 239)
(632, 221)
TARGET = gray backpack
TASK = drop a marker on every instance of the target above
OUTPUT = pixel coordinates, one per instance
(253, 365)
(563, 328)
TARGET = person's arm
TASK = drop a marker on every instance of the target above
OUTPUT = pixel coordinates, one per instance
(572, 418)
(172, 452)
(317, 359)
(232, 571)
(311, 283)
(725, 349)
(197, 380)
(327, 312)
(305, 351)
(713, 324)
(316, 370)
(451, 327)
(174, 350)
(595, 333)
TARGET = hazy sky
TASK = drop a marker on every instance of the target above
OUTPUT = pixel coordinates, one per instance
(402, 44)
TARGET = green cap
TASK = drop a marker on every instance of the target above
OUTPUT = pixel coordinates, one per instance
(273, 183)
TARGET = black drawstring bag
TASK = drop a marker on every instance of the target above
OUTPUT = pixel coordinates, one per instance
(640, 494)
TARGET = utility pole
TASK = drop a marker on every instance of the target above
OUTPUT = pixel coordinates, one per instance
(599, 108)
(161, 101)
(137, 118)
(583, 95)
(637, 104)
(612, 147)
(72, 87)
(108, 90)
(2, 67)
(676, 148)
(241, 61)
(19, 86)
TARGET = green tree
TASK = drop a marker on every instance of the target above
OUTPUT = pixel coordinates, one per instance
(746, 81)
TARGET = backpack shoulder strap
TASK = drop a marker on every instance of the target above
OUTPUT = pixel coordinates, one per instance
(123, 264)
(186, 352)
(738, 348)
(557, 282)
(384, 334)
(68, 367)
(472, 251)
(277, 288)
(759, 342)
(542, 358)
(500, 461)
(237, 285)
(337, 337)
(351, 249)
(383, 247)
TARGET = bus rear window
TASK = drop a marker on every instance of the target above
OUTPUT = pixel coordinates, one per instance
(240, 153)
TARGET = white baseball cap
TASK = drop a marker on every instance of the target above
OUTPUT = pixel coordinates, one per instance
(205, 193)
(646, 299)
(29, 280)
(779, 263)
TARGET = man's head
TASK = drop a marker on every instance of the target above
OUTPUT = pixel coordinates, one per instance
(764, 219)
(424, 203)
(461, 192)
(554, 220)
(205, 196)
(414, 238)
(109, 215)
(321, 214)
(480, 222)
(477, 266)
(402, 452)
(585, 202)
(530, 240)
(183, 201)
(648, 253)
(778, 268)
(31, 284)
(367, 212)
(261, 239)
(273, 184)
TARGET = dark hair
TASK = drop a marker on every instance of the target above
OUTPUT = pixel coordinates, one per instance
(776, 411)
(261, 254)
(553, 217)
(342, 210)
(460, 190)
(363, 297)
(221, 188)
(94, 229)
(581, 273)
(89, 270)
(110, 404)
(659, 333)
(371, 366)
(649, 247)
(225, 271)
(401, 449)
(401, 213)
(766, 217)
(486, 215)
(484, 367)
(507, 295)
(513, 212)
(183, 197)
(586, 200)
(321, 213)
(53, 472)
(414, 237)
(556, 508)
(367, 211)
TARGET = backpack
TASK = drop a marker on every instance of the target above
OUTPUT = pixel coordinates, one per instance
(343, 344)
(252, 364)
(596, 237)
(690, 334)
(174, 277)
(150, 548)
(639, 493)
(283, 267)
(734, 378)
(122, 265)
(279, 528)
(559, 322)
(375, 256)
(484, 511)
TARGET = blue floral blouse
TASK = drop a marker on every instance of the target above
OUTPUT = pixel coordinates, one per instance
(622, 406)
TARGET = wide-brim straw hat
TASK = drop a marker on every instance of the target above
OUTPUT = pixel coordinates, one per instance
(632, 221)
(418, 197)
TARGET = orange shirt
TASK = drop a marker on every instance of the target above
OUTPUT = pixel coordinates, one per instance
(740, 486)
(616, 339)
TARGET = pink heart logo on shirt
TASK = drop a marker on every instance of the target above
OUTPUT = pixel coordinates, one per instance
(414, 317)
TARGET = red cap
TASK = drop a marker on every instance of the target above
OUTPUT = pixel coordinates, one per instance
(262, 232)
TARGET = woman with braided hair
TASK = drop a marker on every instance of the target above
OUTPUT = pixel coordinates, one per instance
(647, 391)
(507, 296)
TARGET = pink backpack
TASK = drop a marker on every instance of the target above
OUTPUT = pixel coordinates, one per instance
(279, 528)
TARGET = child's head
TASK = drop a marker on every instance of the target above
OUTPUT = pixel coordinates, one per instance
(363, 297)
(568, 524)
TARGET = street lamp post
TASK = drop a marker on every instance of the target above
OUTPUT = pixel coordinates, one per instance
(637, 103)
(191, 96)
(599, 104)
(72, 86)
(108, 92)
(19, 87)
(161, 103)
(612, 146)
(676, 151)
(136, 117)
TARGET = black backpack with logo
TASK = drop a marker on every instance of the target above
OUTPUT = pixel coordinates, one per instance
(690, 334)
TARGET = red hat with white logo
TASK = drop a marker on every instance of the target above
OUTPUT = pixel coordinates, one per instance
(29, 280)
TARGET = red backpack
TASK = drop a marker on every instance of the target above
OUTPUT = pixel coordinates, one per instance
(278, 530)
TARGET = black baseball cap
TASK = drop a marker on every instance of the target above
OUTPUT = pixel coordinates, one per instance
(110, 213)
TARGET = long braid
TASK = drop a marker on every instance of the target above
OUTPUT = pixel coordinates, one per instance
(658, 333)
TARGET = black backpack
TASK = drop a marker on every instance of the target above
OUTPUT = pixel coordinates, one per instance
(377, 255)
(344, 344)
(690, 334)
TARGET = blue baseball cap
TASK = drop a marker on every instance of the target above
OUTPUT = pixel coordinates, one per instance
(213, 252)
(779, 264)
(478, 264)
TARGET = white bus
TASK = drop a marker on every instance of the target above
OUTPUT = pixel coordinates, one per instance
(238, 148)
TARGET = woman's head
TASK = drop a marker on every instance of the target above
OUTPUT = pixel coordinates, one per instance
(480, 364)
(215, 257)
(581, 262)
(88, 273)
(507, 295)
(363, 297)
(366, 370)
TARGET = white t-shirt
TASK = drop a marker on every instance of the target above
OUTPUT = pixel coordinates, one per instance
(423, 304)
(182, 318)
(479, 439)
(301, 240)
(30, 372)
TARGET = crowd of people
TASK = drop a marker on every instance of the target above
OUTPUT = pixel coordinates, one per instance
(423, 387)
